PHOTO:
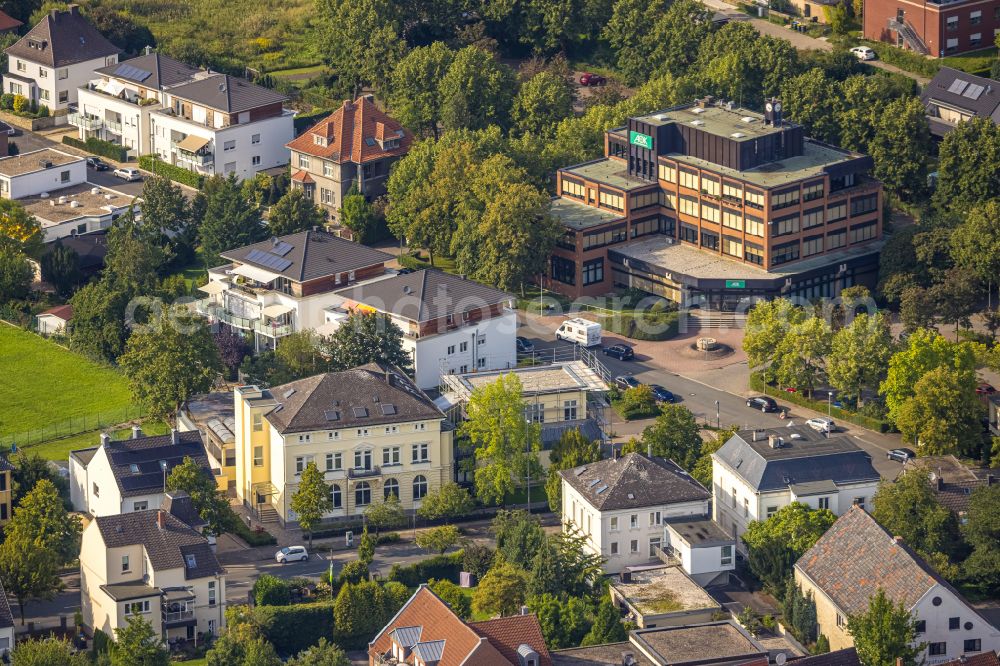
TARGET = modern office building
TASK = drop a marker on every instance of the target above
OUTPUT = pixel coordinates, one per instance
(714, 205)
(933, 27)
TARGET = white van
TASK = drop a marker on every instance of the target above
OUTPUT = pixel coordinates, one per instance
(580, 331)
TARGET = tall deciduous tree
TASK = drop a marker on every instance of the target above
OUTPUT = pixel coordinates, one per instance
(966, 176)
(802, 354)
(367, 338)
(859, 355)
(136, 254)
(360, 40)
(506, 444)
(359, 215)
(648, 37)
(15, 274)
(169, 361)
(702, 470)
(210, 503)
(501, 591)
(900, 147)
(908, 508)
(776, 543)
(99, 329)
(812, 99)
(543, 100)
(607, 627)
(312, 499)
(138, 644)
(518, 535)
(61, 268)
(230, 220)
(476, 91)
(975, 243)
(164, 206)
(942, 416)
(674, 435)
(41, 519)
(293, 212)
(414, 97)
(572, 450)
(438, 539)
(885, 633)
(385, 514)
(323, 653)
(447, 502)
(19, 229)
(766, 327)
(982, 530)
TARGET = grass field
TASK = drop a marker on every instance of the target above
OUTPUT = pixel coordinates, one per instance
(45, 383)
(58, 449)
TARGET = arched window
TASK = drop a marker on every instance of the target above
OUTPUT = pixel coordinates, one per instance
(391, 488)
(362, 494)
(335, 496)
(419, 487)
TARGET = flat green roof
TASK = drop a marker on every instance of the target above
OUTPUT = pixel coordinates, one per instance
(737, 123)
(812, 162)
(609, 172)
(580, 216)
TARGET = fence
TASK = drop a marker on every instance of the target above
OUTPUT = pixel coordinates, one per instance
(73, 426)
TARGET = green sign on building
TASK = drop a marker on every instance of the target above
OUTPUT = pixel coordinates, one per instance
(640, 139)
(736, 284)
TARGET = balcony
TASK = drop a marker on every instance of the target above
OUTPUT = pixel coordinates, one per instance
(217, 312)
(177, 618)
(112, 126)
(363, 473)
(198, 159)
(272, 330)
(85, 122)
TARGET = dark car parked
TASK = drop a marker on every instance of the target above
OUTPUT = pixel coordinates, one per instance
(661, 394)
(96, 164)
(620, 352)
(763, 403)
(591, 79)
(625, 382)
(524, 345)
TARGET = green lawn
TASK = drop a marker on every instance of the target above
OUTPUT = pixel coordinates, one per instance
(975, 62)
(58, 449)
(299, 72)
(47, 386)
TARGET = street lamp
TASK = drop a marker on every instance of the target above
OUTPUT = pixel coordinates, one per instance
(718, 418)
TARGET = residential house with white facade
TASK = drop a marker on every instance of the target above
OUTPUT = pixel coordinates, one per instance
(856, 557)
(450, 324)
(152, 564)
(129, 475)
(369, 430)
(624, 506)
(41, 171)
(55, 58)
(757, 472)
(283, 285)
(355, 146)
(200, 120)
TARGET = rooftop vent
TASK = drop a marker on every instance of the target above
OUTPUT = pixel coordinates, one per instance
(288, 394)
(774, 441)
(45, 164)
(631, 496)
(698, 123)
(748, 119)
(75, 204)
(737, 135)
(95, 190)
(698, 109)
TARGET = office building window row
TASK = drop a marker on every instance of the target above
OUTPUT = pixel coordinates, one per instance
(783, 226)
(644, 199)
(812, 191)
(710, 186)
(709, 240)
(732, 220)
(689, 233)
(864, 205)
(689, 179)
(730, 191)
(563, 270)
(689, 206)
(710, 212)
(593, 271)
(567, 241)
(612, 200)
(649, 225)
(668, 173)
(615, 234)
(755, 226)
(836, 239)
(782, 254)
(863, 232)
(812, 218)
(784, 199)
(836, 211)
(732, 246)
(812, 245)
(754, 199)
(573, 189)
(754, 253)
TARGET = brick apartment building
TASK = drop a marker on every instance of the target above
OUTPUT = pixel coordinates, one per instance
(712, 205)
(934, 27)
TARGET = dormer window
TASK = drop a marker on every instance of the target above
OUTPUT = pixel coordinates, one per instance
(319, 140)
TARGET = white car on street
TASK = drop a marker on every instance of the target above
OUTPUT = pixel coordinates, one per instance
(291, 554)
(863, 53)
(822, 424)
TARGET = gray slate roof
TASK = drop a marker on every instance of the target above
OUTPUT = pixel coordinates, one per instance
(62, 38)
(6, 617)
(166, 548)
(348, 399)
(314, 255)
(130, 590)
(634, 481)
(857, 556)
(146, 453)
(987, 105)
(425, 295)
(845, 657)
(806, 460)
(229, 94)
(163, 71)
(179, 505)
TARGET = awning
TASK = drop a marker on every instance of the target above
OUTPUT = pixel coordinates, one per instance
(213, 287)
(329, 328)
(276, 310)
(254, 273)
(192, 144)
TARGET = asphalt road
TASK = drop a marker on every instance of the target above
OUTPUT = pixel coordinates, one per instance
(705, 402)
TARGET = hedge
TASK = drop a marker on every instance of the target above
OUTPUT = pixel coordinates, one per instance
(878, 425)
(253, 538)
(103, 148)
(292, 629)
(412, 262)
(175, 173)
(642, 325)
(909, 61)
(438, 567)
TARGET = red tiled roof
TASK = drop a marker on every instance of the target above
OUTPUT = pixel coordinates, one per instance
(302, 177)
(64, 312)
(347, 132)
(982, 659)
(509, 633)
(8, 22)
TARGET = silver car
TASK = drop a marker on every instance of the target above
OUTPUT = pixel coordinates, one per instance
(822, 424)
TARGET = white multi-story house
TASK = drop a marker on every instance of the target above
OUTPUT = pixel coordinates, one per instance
(129, 475)
(758, 472)
(284, 285)
(200, 120)
(624, 505)
(450, 324)
(151, 564)
(856, 557)
(55, 58)
(369, 430)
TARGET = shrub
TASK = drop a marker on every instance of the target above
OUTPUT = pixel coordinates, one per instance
(638, 402)
(413, 262)
(353, 572)
(7, 101)
(103, 148)
(21, 104)
(175, 173)
(294, 628)
(43, 111)
(452, 595)
(477, 559)
(388, 537)
(836, 413)
(646, 325)
(253, 537)
(440, 567)
(271, 591)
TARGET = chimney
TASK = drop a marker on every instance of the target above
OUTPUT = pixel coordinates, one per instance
(705, 102)
(898, 540)
(774, 441)
(990, 479)
(525, 610)
(148, 49)
(161, 520)
(754, 434)
(899, 661)
(74, 10)
(136, 432)
(105, 438)
(348, 105)
(175, 437)
(628, 659)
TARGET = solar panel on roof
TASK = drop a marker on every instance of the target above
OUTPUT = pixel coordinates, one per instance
(268, 260)
(134, 73)
(281, 248)
(957, 86)
(974, 91)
